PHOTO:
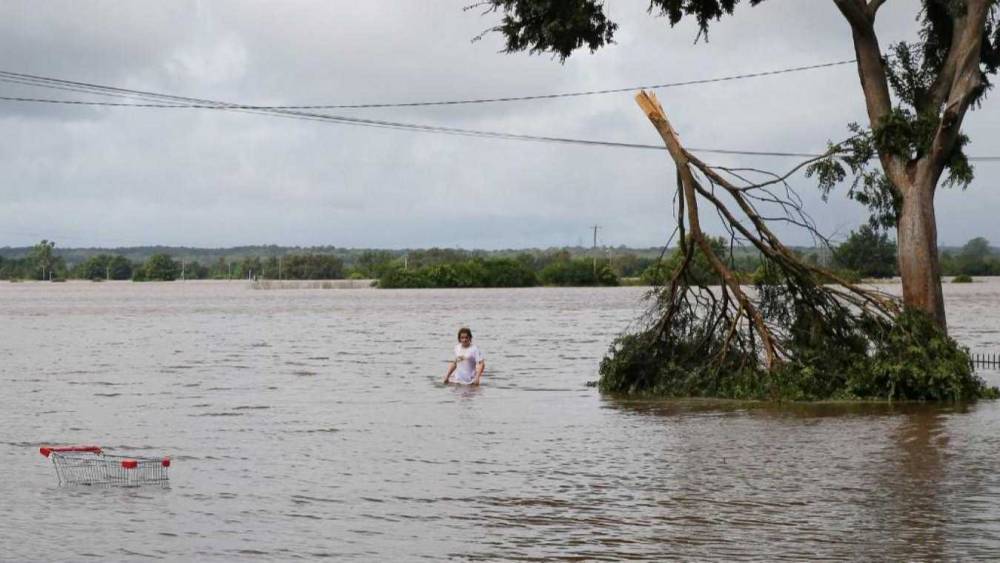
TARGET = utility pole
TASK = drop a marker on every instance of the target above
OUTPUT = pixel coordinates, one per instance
(182, 270)
(279, 268)
(594, 249)
(107, 272)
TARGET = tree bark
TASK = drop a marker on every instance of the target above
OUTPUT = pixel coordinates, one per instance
(916, 239)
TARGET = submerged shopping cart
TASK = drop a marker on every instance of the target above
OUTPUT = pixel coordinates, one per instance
(89, 465)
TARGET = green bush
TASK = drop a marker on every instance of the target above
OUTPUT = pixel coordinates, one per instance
(398, 278)
(962, 278)
(159, 267)
(470, 273)
(577, 272)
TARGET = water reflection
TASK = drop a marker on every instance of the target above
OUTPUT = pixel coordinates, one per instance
(855, 478)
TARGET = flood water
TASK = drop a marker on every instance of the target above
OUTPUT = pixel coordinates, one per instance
(310, 423)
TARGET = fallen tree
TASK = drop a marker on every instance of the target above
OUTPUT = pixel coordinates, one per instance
(800, 332)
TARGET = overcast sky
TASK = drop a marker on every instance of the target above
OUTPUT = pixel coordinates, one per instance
(86, 176)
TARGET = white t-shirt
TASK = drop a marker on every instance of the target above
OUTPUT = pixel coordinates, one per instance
(465, 363)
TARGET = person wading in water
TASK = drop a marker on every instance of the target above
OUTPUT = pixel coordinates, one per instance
(469, 361)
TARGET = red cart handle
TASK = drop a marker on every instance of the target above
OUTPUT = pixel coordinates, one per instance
(47, 450)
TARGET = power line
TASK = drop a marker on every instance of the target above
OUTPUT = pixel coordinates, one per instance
(411, 126)
(24, 79)
(155, 100)
(199, 103)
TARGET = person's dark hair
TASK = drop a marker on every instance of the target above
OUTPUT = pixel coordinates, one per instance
(464, 330)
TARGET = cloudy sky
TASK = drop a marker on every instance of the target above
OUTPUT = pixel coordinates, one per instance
(95, 176)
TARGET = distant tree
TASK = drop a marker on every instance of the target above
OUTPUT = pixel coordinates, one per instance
(373, 263)
(120, 268)
(220, 269)
(974, 258)
(551, 257)
(506, 272)
(435, 256)
(249, 267)
(272, 269)
(577, 272)
(93, 268)
(629, 265)
(194, 270)
(699, 271)
(161, 267)
(868, 252)
(43, 257)
(312, 267)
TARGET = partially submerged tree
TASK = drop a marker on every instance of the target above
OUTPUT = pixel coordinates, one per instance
(916, 138)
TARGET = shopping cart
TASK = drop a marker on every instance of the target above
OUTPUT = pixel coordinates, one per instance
(89, 465)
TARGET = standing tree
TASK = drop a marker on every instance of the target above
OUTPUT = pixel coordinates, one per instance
(974, 258)
(869, 252)
(161, 267)
(43, 257)
(916, 137)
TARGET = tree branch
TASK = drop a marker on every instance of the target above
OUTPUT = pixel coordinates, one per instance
(956, 87)
(873, 7)
(874, 83)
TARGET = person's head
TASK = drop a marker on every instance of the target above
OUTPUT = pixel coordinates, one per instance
(464, 336)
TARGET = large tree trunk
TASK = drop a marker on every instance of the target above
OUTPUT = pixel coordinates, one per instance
(954, 88)
(919, 268)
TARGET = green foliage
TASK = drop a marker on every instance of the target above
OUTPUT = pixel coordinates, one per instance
(312, 267)
(373, 263)
(868, 252)
(914, 360)
(44, 259)
(544, 26)
(962, 278)
(577, 272)
(249, 267)
(908, 359)
(630, 265)
(976, 258)
(103, 266)
(436, 257)
(503, 272)
(699, 272)
(398, 278)
(869, 185)
(159, 267)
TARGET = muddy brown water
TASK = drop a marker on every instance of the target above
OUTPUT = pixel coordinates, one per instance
(309, 423)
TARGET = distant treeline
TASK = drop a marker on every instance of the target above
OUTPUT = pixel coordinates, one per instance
(524, 270)
(866, 253)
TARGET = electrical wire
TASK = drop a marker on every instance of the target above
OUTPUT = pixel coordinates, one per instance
(12, 76)
(154, 100)
(166, 101)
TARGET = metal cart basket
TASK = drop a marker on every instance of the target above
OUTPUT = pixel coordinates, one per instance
(89, 465)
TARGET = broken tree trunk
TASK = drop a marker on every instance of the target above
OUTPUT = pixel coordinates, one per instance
(798, 331)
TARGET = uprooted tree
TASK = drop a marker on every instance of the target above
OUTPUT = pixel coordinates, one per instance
(915, 138)
(800, 332)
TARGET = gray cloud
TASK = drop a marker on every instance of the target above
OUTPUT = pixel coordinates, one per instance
(90, 176)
